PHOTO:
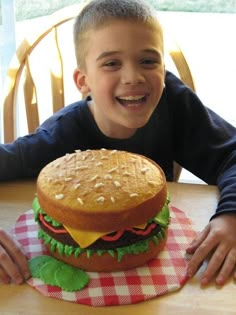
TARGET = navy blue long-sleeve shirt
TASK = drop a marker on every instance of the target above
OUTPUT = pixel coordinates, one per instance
(181, 129)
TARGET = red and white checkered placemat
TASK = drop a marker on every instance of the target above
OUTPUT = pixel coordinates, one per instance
(162, 275)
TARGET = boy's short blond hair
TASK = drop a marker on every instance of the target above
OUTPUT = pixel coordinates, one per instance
(98, 13)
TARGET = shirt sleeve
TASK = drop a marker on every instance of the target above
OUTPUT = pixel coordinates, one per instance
(204, 144)
(27, 155)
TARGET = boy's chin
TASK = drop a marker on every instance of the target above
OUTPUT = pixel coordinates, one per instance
(138, 122)
(124, 131)
(125, 127)
(130, 129)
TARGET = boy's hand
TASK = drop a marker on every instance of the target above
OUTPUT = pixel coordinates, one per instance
(218, 239)
(13, 263)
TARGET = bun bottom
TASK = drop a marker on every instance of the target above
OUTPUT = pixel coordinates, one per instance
(107, 263)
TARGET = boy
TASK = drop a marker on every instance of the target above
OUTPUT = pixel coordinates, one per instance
(134, 105)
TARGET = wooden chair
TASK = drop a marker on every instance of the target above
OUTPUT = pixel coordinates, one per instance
(39, 80)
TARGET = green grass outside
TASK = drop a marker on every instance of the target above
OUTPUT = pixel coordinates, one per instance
(35, 8)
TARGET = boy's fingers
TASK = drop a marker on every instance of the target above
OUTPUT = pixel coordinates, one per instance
(198, 240)
(9, 268)
(4, 278)
(214, 264)
(200, 254)
(12, 258)
(227, 268)
(18, 256)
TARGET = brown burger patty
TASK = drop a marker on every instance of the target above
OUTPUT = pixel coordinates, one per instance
(127, 238)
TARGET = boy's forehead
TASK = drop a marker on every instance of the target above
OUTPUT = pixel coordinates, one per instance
(106, 37)
(118, 25)
(152, 23)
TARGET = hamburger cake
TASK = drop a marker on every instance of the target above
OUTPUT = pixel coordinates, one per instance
(102, 210)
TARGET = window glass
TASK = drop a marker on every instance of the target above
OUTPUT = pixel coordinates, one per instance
(216, 6)
(36, 8)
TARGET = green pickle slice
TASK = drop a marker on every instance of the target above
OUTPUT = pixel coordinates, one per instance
(70, 278)
(47, 272)
(56, 273)
(36, 263)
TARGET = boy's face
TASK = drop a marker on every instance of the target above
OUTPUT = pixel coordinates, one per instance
(124, 75)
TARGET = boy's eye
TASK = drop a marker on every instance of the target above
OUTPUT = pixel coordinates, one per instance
(149, 62)
(111, 64)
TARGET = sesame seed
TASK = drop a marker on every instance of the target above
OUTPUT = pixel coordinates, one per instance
(82, 167)
(77, 185)
(112, 169)
(133, 195)
(80, 201)
(145, 169)
(59, 196)
(93, 178)
(100, 199)
(117, 184)
(69, 156)
(126, 173)
(108, 176)
(68, 179)
(113, 151)
(151, 183)
(98, 185)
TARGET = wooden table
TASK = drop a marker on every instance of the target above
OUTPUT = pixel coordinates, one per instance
(199, 202)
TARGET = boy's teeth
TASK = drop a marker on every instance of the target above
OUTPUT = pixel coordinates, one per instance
(132, 98)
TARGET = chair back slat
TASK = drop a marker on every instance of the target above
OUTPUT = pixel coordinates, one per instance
(30, 96)
(9, 131)
(56, 73)
(9, 102)
(183, 68)
(180, 62)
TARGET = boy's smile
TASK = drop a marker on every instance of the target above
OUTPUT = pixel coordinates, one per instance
(124, 75)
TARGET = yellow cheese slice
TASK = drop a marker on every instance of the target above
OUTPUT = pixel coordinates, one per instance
(86, 238)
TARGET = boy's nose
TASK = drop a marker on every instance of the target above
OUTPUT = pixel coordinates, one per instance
(132, 75)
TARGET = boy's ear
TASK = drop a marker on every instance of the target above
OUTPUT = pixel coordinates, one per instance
(80, 81)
